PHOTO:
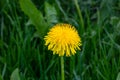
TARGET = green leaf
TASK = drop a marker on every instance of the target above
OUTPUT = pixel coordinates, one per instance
(2, 4)
(35, 16)
(1, 43)
(106, 9)
(114, 20)
(118, 77)
(15, 75)
(51, 13)
(1, 77)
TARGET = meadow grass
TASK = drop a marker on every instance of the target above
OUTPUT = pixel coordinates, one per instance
(23, 49)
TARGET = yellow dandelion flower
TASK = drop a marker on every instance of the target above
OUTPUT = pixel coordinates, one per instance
(63, 39)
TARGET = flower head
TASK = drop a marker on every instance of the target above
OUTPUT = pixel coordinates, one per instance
(63, 39)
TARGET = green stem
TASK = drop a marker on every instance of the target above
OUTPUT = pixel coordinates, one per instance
(62, 69)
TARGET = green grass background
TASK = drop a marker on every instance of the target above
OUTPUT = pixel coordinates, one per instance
(23, 55)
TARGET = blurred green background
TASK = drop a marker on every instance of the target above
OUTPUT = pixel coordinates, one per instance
(23, 24)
